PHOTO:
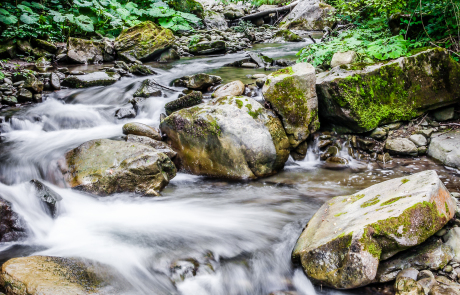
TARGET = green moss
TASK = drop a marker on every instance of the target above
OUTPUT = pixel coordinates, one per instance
(393, 200)
(353, 198)
(338, 214)
(288, 36)
(189, 6)
(371, 202)
(239, 103)
(285, 71)
(255, 114)
(405, 180)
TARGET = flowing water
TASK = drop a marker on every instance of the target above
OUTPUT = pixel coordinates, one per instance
(239, 233)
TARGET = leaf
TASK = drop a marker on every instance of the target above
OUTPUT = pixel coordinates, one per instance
(36, 5)
(28, 18)
(166, 22)
(84, 23)
(25, 9)
(190, 17)
(82, 3)
(124, 13)
(7, 18)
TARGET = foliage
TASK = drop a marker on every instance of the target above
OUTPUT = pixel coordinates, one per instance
(57, 19)
(258, 3)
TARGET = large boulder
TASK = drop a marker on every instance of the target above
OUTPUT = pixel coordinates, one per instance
(291, 93)
(84, 51)
(208, 47)
(310, 15)
(346, 239)
(445, 147)
(104, 167)
(232, 137)
(214, 21)
(189, 6)
(361, 100)
(145, 41)
(91, 79)
(148, 88)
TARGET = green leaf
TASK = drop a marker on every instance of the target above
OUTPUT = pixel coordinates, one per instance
(166, 22)
(25, 9)
(84, 23)
(29, 18)
(6, 18)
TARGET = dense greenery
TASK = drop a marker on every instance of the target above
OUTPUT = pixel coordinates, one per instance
(421, 23)
(58, 19)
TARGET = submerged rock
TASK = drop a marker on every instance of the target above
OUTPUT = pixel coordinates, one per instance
(198, 81)
(346, 239)
(234, 88)
(91, 80)
(286, 35)
(233, 137)
(84, 51)
(445, 147)
(142, 70)
(192, 99)
(48, 197)
(104, 167)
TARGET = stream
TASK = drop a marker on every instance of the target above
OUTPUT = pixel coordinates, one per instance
(237, 236)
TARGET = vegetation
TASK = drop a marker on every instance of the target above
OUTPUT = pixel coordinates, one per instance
(258, 3)
(388, 29)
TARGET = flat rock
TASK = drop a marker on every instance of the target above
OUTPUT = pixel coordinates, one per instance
(401, 146)
(445, 147)
(235, 88)
(91, 79)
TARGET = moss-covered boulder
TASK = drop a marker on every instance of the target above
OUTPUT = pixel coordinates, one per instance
(148, 88)
(208, 47)
(91, 80)
(310, 16)
(104, 167)
(346, 239)
(361, 100)
(192, 99)
(287, 36)
(230, 137)
(37, 275)
(189, 6)
(232, 12)
(84, 51)
(142, 70)
(48, 46)
(145, 41)
(291, 92)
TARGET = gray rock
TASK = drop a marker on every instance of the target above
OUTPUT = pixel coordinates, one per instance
(379, 133)
(235, 88)
(192, 99)
(48, 197)
(148, 88)
(444, 114)
(445, 287)
(418, 139)
(427, 284)
(142, 70)
(9, 100)
(141, 130)
(426, 132)
(8, 81)
(33, 84)
(208, 47)
(249, 65)
(55, 81)
(169, 55)
(84, 51)
(156, 144)
(453, 240)
(401, 146)
(12, 226)
(25, 95)
(407, 286)
(124, 113)
(232, 12)
(309, 15)
(91, 79)
(343, 58)
(445, 147)
(214, 20)
(198, 81)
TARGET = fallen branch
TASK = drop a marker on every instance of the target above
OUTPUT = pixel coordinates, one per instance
(162, 86)
(269, 11)
(449, 124)
(311, 38)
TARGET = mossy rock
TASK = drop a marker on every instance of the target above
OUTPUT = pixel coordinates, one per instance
(91, 80)
(145, 41)
(8, 50)
(48, 46)
(229, 137)
(192, 99)
(148, 88)
(346, 239)
(208, 47)
(214, 20)
(361, 100)
(84, 51)
(198, 82)
(288, 36)
(189, 6)
(309, 16)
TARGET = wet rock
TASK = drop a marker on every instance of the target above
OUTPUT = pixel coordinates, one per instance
(192, 99)
(124, 113)
(198, 81)
(55, 81)
(156, 144)
(142, 70)
(8, 50)
(249, 65)
(42, 64)
(453, 240)
(169, 55)
(287, 36)
(344, 241)
(214, 20)
(426, 132)
(445, 287)
(84, 51)
(338, 94)
(259, 76)
(122, 65)
(336, 163)
(148, 88)
(12, 226)
(48, 197)
(104, 167)
(343, 58)
(445, 147)
(91, 79)
(48, 46)
(234, 88)
(444, 114)
(418, 139)
(226, 138)
(232, 12)
(182, 269)
(401, 146)
(24, 47)
(145, 41)
(141, 130)
(261, 60)
(208, 47)
(33, 84)
(309, 15)
(9, 100)
(291, 93)
(406, 283)
(260, 82)
(25, 95)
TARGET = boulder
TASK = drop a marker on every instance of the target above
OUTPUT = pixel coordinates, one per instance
(47, 196)
(104, 167)
(156, 144)
(453, 241)
(310, 15)
(12, 226)
(230, 137)
(55, 81)
(343, 58)
(346, 239)
(198, 81)
(232, 12)
(148, 88)
(406, 284)
(91, 79)
(141, 130)
(145, 41)
(33, 84)
(8, 50)
(445, 147)
(25, 95)
(48, 46)
(444, 114)
(9, 100)
(235, 88)
(192, 99)
(208, 47)
(418, 139)
(214, 21)
(401, 146)
(142, 70)
(189, 6)
(287, 36)
(124, 113)
(361, 100)
(24, 47)
(84, 51)
(291, 93)
(169, 55)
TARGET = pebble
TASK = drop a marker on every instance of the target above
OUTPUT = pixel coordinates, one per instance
(448, 269)
(8, 81)
(441, 232)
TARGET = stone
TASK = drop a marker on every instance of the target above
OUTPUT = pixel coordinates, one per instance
(208, 47)
(104, 167)
(343, 58)
(9, 100)
(142, 70)
(445, 287)
(122, 65)
(12, 226)
(401, 146)
(124, 113)
(48, 46)
(260, 82)
(141, 130)
(214, 21)
(148, 88)
(169, 55)
(198, 81)
(84, 51)
(25, 95)
(33, 84)
(192, 99)
(235, 88)
(426, 132)
(346, 239)
(229, 137)
(422, 150)
(24, 47)
(309, 16)
(48, 197)
(259, 76)
(261, 60)
(453, 241)
(188, 6)
(8, 50)
(355, 101)
(156, 144)
(379, 133)
(291, 93)
(444, 114)
(287, 36)
(91, 79)
(445, 147)
(144, 41)
(232, 12)
(407, 286)
(418, 139)
(249, 65)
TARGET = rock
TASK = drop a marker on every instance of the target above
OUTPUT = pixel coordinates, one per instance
(235, 88)
(418, 139)
(124, 113)
(260, 82)
(33, 84)
(288, 36)
(407, 286)
(453, 240)
(169, 55)
(24, 46)
(9, 100)
(423, 274)
(91, 79)
(148, 88)
(156, 144)
(401, 146)
(198, 81)
(8, 50)
(42, 64)
(231, 137)
(444, 114)
(122, 65)
(344, 241)
(192, 99)
(104, 167)
(249, 65)
(261, 60)
(84, 51)
(208, 47)
(336, 163)
(36, 275)
(141, 130)
(48, 46)
(343, 58)
(144, 41)
(48, 197)
(259, 76)
(214, 21)
(25, 95)
(189, 6)
(310, 16)
(426, 132)
(232, 12)
(379, 133)
(355, 101)
(432, 254)
(12, 226)
(55, 81)
(291, 93)
(141, 70)
(445, 147)
(445, 287)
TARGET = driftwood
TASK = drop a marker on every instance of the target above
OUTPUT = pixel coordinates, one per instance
(269, 11)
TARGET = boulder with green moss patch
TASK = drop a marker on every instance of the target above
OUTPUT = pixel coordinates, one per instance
(287, 36)
(310, 16)
(145, 41)
(361, 100)
(230, 137)
(192, 99)
(291, 92)
(208, 47)
(344, 250)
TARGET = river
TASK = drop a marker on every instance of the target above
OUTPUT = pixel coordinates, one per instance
(240, 233)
